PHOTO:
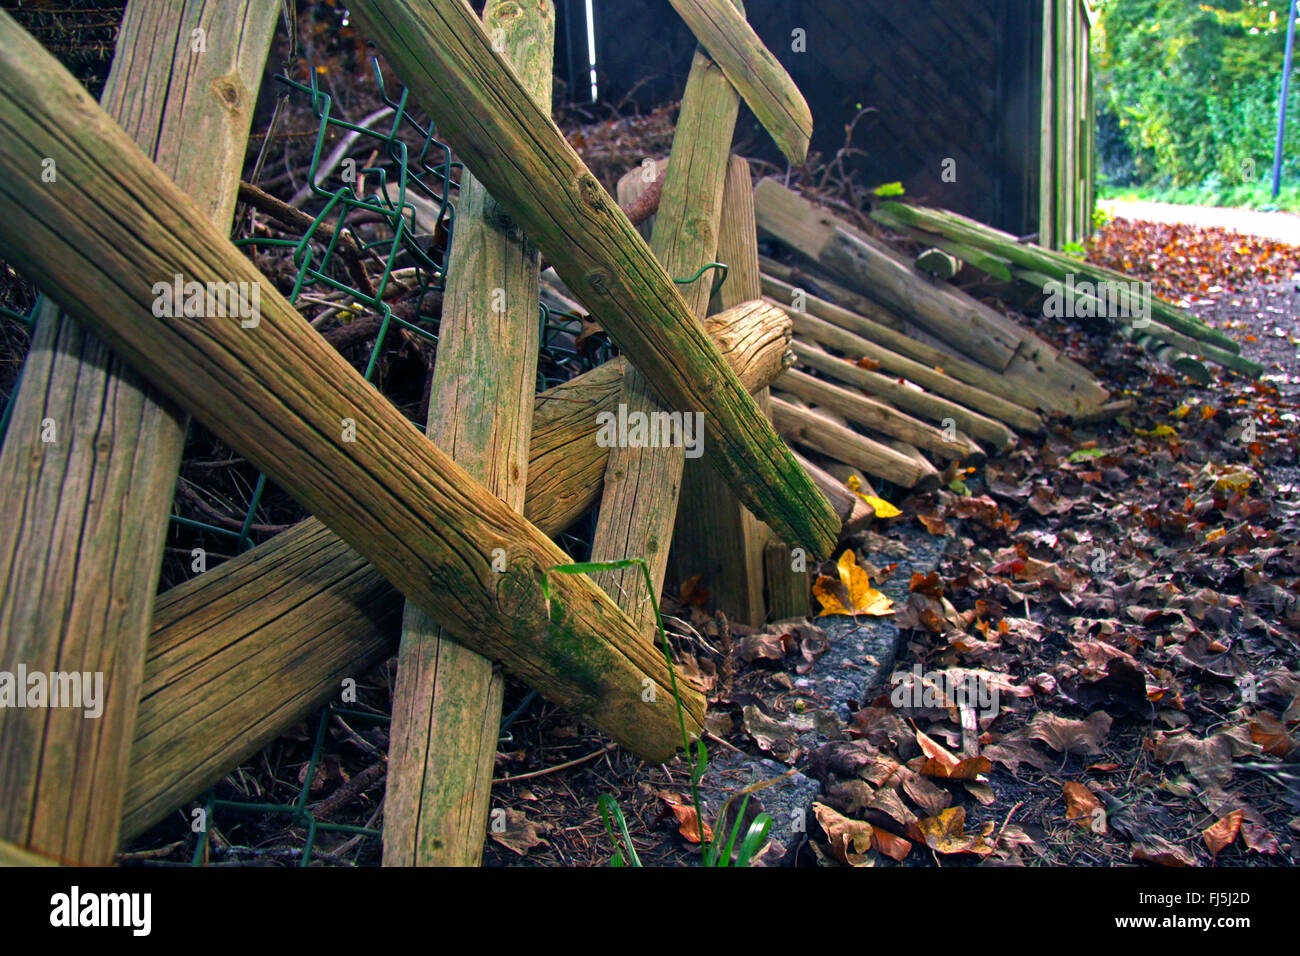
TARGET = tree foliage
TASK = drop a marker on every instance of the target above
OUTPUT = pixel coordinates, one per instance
(1193, 87)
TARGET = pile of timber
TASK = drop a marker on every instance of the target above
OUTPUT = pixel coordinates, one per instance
(896, 375)
(1098, 293)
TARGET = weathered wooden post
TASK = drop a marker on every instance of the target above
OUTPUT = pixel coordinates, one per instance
(87, 509)
(639, 507)
(447, 701)
(717, 536)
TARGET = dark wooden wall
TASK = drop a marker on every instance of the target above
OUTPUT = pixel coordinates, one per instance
(946, 79)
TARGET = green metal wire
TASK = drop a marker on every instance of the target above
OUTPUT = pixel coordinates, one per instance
(720, 266)
(18, 316)
(297, 812)
(428, 172)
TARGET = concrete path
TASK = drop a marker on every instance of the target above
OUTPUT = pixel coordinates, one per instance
(1278, 226)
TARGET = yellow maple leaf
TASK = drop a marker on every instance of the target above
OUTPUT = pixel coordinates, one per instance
(1238, 481)
(880, 506)
(1160, 431)
(863, 598)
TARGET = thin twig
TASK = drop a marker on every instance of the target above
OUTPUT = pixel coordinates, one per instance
(561, 766)
(287, 215)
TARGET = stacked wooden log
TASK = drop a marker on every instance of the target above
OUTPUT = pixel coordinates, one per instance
(896, 374)
(1097, 292)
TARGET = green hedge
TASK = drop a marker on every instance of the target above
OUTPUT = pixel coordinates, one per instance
(1192, 88)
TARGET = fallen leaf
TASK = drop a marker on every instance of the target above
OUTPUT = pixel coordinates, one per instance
(850, 840)
(1082, 806)
(941, 763)
(1155, 849)
(853, 593)
(1071, 736)
(1220, 835)
(1271, 734)
(688, 820)
(882, 508)
(946, 833)
(891, 844)
(520, 833)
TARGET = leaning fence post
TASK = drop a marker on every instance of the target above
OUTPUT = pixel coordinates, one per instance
(447, 700)
(639, 506)
(89, 507)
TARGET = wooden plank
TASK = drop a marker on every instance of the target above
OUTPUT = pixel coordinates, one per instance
(275, 391)
(1042, 376)
(1157, 335)
(718, 537)
(1087, 122)
(1055, 264)
(805, 427)
(987, 262)
(87, 512)
(241, 653)
(636, 183)
(1047, 136)
(816, 283)
(811, 328)
(872, 414)
(1069, 126)
(905, 356)
(447, 699)
(754, 72)
(792, 597)
(942, 265)
(874, 270)
(907, 396)
(440, 51)
(638, 508)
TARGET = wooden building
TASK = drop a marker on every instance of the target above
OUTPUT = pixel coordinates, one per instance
(982, 106)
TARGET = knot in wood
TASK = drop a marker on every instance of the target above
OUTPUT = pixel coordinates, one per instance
(495, 215)
(230, 91)
(519, 589)
(598, 280)
(590, 190)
